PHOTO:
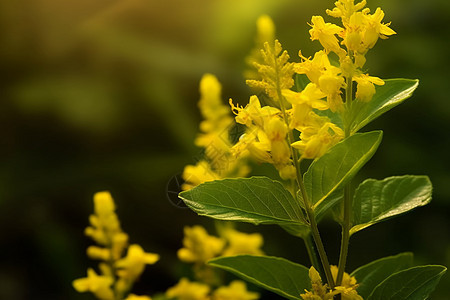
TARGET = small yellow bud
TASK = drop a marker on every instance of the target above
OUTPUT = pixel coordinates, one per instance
(287, 172)
(134, 263)
(276, 129)
(199, 246)
(237, 290)
(95, 252)
(187, 290)
(136, 297)
(100, 286)
(266, 29)
(314, 276)
(366, 89)
(103, 204)
(242, 243)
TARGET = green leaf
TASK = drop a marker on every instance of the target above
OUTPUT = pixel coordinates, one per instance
(412, 284)
(301, 231)
(275, 274)
(377, 200)
(257, 200)
(372, 274)
(339, 165)
(387, 96)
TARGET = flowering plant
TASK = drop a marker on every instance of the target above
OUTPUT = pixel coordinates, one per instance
(315, 110)
(306, 123)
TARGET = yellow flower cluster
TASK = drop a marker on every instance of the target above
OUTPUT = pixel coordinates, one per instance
(359, 33)
(319, 291)
(199, 247)
(265, 33)
(214, 138)
(269, 134)
(118, 272)
(187, 290)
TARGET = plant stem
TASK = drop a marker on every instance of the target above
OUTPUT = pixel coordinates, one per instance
(308, 206)
(347, 202)
(345, 235)
(309, 243)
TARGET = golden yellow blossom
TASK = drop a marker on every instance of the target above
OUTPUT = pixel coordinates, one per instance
(95, 252)
(136, 297)
(320, 291)
(326, 33)
(314, 142)
(265, 33)
(253, 113)
(303, 103)
(100, 286)
(194, 175)
(325, 76)
(218, 161)
(112, 241)
(366, 89)
(345, 9)
(216, 115)
(276, 72)
(242, 243)
(237, 290)
(105, 225)
(375, 28)
(199, 246)
(132, 265)
(187, 290)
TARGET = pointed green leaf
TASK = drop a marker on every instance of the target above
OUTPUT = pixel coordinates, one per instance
(387, 96)
(257, 200)
(301, 231)
(339, 165)
(275, 274)
(372, 274)
(377, 200)
(411, 284)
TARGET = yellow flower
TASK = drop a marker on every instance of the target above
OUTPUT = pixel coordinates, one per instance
(100, 286)
(199, 246)
(237, 290)
(314, 142)
(132, 266)
(104, 224)
(210, 103)
(195, 175)
(375, 28)
(326, 34)
(345, 9)
(347, 280)
(95, 252)
(303, 104)
(187, 290)
(103, 204)
(366, 89)
(136, 297)
(265, 33)
(320, 291)
(242, 243)
(276, 72)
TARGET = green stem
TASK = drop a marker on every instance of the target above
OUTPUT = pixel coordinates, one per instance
(309, 243)
(345, 235)
(308, 206)
(347, 202)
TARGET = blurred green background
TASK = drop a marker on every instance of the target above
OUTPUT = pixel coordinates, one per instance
(101, 95)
